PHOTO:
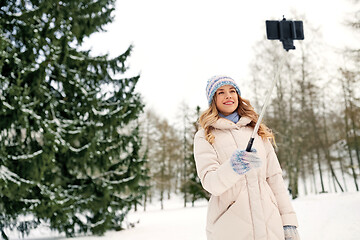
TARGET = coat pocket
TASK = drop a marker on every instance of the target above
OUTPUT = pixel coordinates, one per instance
(222, 213)
(233, 224)
(235, 221)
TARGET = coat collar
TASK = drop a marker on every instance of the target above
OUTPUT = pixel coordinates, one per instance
(223, 123)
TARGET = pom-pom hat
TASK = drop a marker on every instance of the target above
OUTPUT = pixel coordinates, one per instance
(216, 82)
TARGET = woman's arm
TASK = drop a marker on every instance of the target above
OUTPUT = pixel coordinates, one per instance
(216, 178)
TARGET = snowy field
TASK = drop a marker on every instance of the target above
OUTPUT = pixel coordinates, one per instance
(325, 216)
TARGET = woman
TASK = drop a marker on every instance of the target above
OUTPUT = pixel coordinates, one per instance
(248, 196)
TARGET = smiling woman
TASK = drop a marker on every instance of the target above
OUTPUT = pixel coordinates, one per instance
(248, 196)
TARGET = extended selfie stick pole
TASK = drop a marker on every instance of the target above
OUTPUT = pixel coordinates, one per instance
(286, 32)
(267, 100)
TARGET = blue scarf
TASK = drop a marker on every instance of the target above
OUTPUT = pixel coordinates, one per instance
(234, 117)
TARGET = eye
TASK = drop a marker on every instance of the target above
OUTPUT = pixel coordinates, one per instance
(220, 92)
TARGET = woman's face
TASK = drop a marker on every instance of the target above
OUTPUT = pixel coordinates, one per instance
(226, 99)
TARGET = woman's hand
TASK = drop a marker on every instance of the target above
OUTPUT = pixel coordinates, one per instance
(242, 161)
(291, 233)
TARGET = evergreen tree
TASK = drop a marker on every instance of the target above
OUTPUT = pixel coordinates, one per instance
(191, 186)
(68, 149)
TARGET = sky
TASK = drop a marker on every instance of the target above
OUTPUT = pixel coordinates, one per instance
(179, 45)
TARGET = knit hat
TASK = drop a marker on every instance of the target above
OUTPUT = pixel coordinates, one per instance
(216, 82)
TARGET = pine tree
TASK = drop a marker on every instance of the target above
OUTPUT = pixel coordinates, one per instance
(191, 186)
(68, 149)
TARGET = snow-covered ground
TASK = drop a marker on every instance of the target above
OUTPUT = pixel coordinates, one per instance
(325, 216)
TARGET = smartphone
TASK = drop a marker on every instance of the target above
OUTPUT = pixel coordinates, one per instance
(284, 29)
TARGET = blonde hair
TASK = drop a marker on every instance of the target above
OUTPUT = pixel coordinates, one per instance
(211, 115)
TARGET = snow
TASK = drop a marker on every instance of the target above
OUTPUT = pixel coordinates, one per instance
(8, 105)
(326, 216)
(329, 216)
(31, 112)
(103, 112)
(6, 174)
(79, 149)
(27, 156)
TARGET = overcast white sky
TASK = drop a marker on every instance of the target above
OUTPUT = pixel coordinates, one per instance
(178, 45)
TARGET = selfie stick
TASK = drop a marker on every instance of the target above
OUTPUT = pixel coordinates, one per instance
(266, 103)
(286, 32)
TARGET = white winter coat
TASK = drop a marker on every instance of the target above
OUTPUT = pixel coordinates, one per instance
(254, 206)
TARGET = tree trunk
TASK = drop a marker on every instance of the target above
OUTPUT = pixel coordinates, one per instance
(348, 139)
(342, 171)
(313, 174)
(354, 131)
(303, 176)
(325, 148)
(318, 158)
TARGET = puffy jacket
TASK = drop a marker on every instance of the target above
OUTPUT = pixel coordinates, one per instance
(254, 206)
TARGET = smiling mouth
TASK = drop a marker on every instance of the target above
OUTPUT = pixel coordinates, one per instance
(228, 103)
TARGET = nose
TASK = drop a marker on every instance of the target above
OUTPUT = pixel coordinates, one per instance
(227, 95)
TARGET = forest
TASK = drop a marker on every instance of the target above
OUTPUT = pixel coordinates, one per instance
(79, 158)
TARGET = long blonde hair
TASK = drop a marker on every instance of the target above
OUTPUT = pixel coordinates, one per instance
(211, 115)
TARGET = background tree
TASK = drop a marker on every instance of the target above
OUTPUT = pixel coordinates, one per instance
(281, 114)
(350, 102)
(296, 104)
(148, 132)
(69, 148)
(163, 152)
(191, 186)
(170, 157)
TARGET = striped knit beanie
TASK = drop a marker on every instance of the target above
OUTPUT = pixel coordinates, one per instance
(216, 82)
